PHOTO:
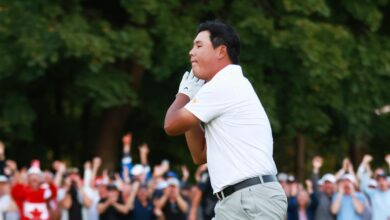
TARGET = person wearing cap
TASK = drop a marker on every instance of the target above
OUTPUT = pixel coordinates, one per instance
(226, 126)
(70, 197)
(172, 203)
(324, 190)
(379, 196)
(347, 203)
(112, 207)
(32, 198)
(140, 205)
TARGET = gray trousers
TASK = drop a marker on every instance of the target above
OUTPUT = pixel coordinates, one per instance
(261, 201)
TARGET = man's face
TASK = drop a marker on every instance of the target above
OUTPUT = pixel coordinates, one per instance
(328, 187)
(142, 194)
(382, 183)
(347, 185)
(34, 180)
(202, 56)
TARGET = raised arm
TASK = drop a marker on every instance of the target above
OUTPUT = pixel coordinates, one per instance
(357, 204)
(315, 176)
(336, 203)
(195, 204)
(130, 201)
(143, 153)
(96, 163)
(387, 159)
(181, 203)
(343, 169)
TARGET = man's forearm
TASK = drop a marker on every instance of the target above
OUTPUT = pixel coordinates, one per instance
(197, 144)
(335, 207)
(159, 203)
(358, 205)
(173, 126)
(183, 206)
(120, 208)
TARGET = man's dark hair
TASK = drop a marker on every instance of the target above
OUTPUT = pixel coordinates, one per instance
(223, 34)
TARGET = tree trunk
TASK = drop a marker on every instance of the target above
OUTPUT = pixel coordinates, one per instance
(300, 157)
(356, 150)
(113, 121)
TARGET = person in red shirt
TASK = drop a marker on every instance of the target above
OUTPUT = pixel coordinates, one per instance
(32, 197)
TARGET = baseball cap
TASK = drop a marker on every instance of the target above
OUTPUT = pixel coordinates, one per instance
(161, 185)
(328, 177)
(173, 182)
(3, 179)
(381, 175)
(138, 169)
(172, 174)
(112, 187)
(34, 168)
(373, 183)
(282, 177)
(291, 178)
(349, 177)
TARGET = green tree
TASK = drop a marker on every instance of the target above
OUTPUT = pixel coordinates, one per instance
(76, 75)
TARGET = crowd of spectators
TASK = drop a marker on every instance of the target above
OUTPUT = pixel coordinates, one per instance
(141, 192)
(343, 195)
(136, 192)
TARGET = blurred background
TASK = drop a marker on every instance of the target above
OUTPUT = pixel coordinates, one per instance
(76, 75)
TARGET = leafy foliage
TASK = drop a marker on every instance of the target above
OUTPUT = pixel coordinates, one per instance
(319, 67)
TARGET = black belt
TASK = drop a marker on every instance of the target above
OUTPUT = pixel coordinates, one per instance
(243, 184)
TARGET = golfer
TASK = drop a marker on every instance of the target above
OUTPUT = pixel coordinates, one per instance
(226, 127)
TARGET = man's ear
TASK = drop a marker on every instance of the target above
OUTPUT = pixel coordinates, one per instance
(222, 52)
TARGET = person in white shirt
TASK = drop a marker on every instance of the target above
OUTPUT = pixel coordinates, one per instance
(8, 208)
(236, 141)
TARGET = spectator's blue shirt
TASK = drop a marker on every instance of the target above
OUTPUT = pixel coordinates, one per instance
(141, 212)
(347, 210)
(380, 201)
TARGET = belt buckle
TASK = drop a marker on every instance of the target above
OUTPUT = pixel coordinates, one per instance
(261, 179)
(220, 197)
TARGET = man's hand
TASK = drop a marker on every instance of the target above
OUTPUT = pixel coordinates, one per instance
(317, 164)
(144, 149)
(387, 159)
(185, 173)
(346, 164)
(367, 159)
(190, 84)
(127, 138)
(96, 162)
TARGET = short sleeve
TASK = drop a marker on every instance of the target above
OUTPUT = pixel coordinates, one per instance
(209, 103)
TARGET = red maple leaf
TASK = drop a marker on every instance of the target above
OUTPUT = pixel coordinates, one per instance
(36, 214)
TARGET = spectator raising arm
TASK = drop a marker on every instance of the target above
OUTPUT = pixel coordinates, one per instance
(317, 164)
(130, 201)
(336, 204)
(96, 163)
(357, 204)
(344, 168)
(387, 159)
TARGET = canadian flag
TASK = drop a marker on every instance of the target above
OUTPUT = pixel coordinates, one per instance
(35, 211)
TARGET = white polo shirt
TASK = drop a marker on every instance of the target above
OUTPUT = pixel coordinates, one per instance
(237, 130)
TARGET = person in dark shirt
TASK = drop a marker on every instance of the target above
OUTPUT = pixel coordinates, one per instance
(203, 196)
(172, 203)
(139, 203)
(112, 207)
